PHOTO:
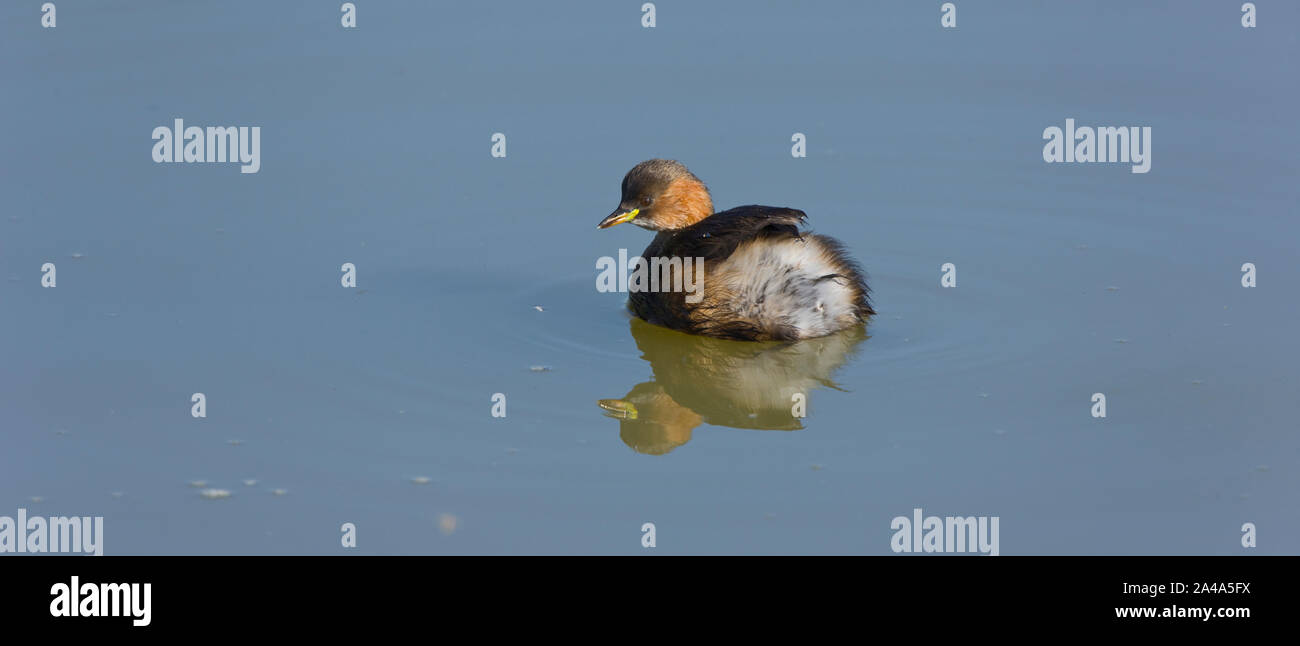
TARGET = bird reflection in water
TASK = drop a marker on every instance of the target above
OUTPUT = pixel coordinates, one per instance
(739, 384)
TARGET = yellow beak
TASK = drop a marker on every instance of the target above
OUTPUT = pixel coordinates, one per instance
(618, 217)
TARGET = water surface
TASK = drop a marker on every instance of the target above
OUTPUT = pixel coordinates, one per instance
(373, 405)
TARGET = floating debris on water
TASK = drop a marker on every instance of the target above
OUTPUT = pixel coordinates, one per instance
(816, 467)
(279, 492)
(248, 482)
(1112, 288)
(214, 494)
(1197, 382)
(234, 442)
(198, 484)
(76, 255)
(538, 308)
(421, 480)
(1262, 468)
(540, 368)
(1121, 340)
(37, 499)
(401, 412)
(447, 524)
(983, 395)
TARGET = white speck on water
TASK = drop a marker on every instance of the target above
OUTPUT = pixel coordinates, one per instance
(234, 442)
(77, 255)
(279, 492)
(1000, 431)
(447, 524)
(401, 412)
(215, 494)
(1121, 340)
(540, 368)
(116, 494)
(538, 308)
(421, 480)
(198, 484)
(984, 395)
(248, 482)
(36, 499)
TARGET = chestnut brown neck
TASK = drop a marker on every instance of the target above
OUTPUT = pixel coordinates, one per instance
(685, 202)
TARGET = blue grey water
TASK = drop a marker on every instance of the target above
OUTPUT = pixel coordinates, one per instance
(924, 147)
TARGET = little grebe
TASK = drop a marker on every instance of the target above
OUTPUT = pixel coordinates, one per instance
(763, 278)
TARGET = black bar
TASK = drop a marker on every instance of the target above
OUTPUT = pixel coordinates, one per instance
(314, 593)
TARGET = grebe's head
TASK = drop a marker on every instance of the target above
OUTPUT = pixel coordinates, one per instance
(661, 195)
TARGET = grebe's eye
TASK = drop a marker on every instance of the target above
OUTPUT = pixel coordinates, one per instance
(647, 201)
